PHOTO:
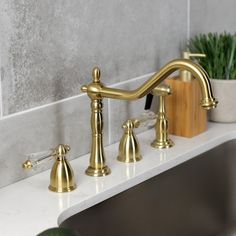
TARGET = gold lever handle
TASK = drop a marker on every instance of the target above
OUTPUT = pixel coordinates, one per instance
(38, 158)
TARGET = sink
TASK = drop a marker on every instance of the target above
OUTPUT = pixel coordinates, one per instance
(196, 198)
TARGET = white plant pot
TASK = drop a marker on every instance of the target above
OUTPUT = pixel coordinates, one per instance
(225, 92)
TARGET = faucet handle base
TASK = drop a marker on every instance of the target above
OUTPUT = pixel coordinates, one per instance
(129, 149)
(162, 144)
(98, 172)
(62, 177)
(62, 190)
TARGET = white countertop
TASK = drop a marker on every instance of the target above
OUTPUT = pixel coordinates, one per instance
(28, 207)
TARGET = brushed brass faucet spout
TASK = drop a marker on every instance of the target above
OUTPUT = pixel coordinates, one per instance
(97, 91)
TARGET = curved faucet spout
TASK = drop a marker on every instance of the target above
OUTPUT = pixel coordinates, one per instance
(96, 90)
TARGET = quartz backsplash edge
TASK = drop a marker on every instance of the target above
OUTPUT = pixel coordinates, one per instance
(66, 121)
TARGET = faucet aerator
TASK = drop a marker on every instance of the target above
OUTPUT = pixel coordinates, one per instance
(209, 103)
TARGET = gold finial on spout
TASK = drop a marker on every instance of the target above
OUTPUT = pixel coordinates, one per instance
(97, 91)
(96, 75)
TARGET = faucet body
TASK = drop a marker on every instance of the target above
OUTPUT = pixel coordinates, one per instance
(97, 91)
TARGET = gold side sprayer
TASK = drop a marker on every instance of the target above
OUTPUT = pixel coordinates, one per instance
(97, 91)
(162, 137)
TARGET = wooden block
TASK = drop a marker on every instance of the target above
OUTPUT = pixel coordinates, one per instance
(185, 115)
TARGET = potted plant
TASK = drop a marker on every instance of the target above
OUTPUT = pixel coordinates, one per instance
(220, 63)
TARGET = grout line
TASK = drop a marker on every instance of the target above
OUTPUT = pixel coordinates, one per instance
(62, 100)
(188, 19)
(109, 120)
(42, 106)
(1, 100)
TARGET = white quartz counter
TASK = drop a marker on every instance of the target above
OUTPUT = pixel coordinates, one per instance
(28, 207)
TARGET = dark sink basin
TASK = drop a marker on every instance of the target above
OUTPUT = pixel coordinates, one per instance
(197, 197)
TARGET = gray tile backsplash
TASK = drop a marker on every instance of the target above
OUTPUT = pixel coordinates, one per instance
(66, 121)
(212, 16)
(44, 128)
(48, 49)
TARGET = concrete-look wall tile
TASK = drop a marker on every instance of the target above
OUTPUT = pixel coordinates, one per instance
(1, 115)
(120, 111)
(44, 128)
(48, 48)
(212, 16)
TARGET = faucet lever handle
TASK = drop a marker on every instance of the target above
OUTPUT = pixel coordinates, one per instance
(37, 158)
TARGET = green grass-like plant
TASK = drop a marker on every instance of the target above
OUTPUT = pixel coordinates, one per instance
(220, 50)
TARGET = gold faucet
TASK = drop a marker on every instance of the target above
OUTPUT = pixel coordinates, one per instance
(97, 91)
